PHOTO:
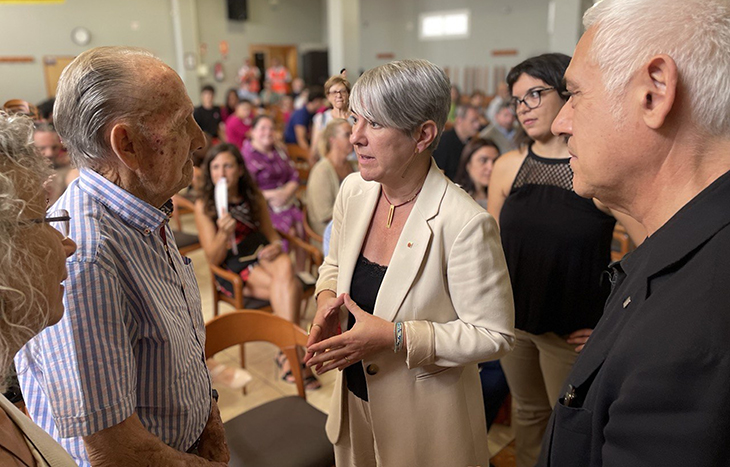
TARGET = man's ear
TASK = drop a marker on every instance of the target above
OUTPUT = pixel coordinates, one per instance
(123, 145)
(425, 135)
(658, 81)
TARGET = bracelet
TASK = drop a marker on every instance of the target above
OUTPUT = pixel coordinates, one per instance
(398, 337)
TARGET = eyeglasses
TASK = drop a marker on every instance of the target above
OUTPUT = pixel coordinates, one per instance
(343, 92)
(59, 220)
(532, 99)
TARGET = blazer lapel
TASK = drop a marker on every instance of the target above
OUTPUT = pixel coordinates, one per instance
(11, 441)
(358, 214)
(412, 247)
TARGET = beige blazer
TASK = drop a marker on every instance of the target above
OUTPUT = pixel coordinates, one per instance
(448, 282)
(45, 451)
(322, 188)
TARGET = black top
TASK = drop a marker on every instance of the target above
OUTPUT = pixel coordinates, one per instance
(448, 153)
(208, 119)
(366, 280)
(557, 247)
(652, 384)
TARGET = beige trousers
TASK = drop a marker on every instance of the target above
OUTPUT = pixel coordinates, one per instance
(536, 370)
(356, 447)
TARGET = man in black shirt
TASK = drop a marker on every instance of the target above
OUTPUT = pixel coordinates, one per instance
(452, 143)
(207, 115)
(648, 127)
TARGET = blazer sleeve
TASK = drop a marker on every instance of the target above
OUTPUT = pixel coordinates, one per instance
(481, 294)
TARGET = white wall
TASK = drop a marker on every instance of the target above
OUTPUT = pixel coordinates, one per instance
(392, 26)
(289, 22)
(45, 29)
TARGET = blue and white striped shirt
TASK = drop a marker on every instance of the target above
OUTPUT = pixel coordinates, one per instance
(132, 338)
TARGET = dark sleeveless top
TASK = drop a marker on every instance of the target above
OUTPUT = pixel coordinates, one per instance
(557, 246)
(366, 280)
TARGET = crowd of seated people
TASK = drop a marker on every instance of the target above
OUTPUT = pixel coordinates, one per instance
(595, 363)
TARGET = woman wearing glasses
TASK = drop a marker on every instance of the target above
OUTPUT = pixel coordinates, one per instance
(337, 90)
(32, 266)
(557, 246)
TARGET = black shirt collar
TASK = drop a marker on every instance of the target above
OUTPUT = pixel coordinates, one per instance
(694, 224)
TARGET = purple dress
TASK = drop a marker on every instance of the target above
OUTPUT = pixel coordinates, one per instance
(270, 171)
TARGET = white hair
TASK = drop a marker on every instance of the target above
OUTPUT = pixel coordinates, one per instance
(403, 95)
(695, 33)
(23, 308)
(101, 87)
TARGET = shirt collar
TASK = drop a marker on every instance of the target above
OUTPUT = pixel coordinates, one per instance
(132, 210)
(699, 219)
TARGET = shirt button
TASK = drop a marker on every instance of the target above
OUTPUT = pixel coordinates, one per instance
(372, 369)
(146, 231)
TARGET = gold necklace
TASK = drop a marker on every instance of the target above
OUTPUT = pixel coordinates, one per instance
(391, 210)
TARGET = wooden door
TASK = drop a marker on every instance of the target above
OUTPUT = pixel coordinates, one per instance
(287, 54)
(52, 68)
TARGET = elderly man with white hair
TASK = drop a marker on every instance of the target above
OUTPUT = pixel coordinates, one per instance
(648, 129)
(121, 379)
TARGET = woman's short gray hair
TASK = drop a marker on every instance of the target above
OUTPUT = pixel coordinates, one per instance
(695, 33)
(100, 87)
(23, 308)
(403, 95)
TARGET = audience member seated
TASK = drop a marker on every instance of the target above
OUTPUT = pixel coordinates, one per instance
(286, 107)
(48, 144)
(455, 102)
(268, 97)
(229, 105)
(274, 174)
(239, 124)
(502, 129)
(500, 99)
(337, 90)
(299, 126)
(207, 115)
(119, 380)
(279, 77)
(45, 110)
(297, 87)
(327, 174)
(478, 100)
(267, 273)
(475, 168)
(32, 263)
(249, 77)
(448, 152)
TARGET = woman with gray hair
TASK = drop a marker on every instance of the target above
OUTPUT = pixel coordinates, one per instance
(32, 265)
(416, 281)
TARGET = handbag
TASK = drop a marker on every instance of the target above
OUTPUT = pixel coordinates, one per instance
(248, 252)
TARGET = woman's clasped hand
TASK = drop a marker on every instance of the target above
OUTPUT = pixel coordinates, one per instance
(326, 350)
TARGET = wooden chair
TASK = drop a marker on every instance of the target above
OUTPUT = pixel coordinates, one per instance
(621, 244)
(183, 203)
(20, 106)
(311, 234)
(186, 242)
(300, 158)
(314, 259)
(286, 432)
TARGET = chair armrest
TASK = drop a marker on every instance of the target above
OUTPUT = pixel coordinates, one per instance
(316, 256)
(230, 276)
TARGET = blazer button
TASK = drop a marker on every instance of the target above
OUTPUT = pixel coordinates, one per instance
(372, 369)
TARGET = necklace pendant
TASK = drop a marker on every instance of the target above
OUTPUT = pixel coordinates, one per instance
(391, 211)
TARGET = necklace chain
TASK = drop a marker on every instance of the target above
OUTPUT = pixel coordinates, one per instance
(391, 210)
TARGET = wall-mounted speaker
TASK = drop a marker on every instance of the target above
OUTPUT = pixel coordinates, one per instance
(237, 10)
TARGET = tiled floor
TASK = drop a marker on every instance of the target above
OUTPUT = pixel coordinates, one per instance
(266, 385)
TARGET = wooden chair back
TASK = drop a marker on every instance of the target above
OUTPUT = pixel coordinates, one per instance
(621, 244)
(241, 326)
(308, 228)
(22, 107)
(300, 158)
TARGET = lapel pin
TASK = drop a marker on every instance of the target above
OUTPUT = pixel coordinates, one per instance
(410, 244)
(627, 301)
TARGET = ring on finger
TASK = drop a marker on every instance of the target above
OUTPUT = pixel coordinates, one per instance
(347, 359)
